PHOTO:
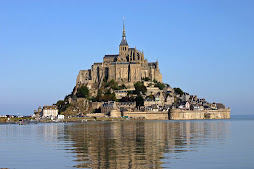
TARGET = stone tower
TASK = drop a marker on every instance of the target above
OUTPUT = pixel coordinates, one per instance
(123, 47)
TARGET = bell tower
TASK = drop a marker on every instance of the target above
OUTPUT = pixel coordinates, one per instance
(123, 47)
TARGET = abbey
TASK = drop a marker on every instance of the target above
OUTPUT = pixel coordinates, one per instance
(127, 67)
(127, 85)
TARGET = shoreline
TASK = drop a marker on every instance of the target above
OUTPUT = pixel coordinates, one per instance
(90, 119)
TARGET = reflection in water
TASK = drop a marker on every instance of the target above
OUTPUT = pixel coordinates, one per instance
(140, 144)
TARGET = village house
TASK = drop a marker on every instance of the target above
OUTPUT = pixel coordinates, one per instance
(194, 107)
(126, 106)
(108, 106)
(50, 111)
(123, 93)
(119, 106)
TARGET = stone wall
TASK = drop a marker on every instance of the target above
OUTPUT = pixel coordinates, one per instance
(176, 114)
(83, 77)
(94, 105)
(119, 71)
(147, 115)
(95, 115)
(115, 113)
(135, 72)
(150, 103)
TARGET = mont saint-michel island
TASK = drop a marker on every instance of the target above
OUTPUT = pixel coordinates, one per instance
(127, 85)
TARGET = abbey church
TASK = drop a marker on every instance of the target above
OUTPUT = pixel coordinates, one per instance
(127, 67)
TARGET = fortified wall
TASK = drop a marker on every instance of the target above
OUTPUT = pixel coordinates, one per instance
(163, 115)
(176, 114)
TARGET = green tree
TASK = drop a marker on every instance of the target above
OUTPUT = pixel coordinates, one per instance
(112, 84)
(83, 91)
(139, 87)
(132, 99)
(66, 98)
(109, 97)
(159, 85)
(98, 98)
(113, 96)
(178, 91)
(122, 87)
(146, 79)
(108, 91)
(139, 101)
(62, 105)
(125, 99)
(151, 97)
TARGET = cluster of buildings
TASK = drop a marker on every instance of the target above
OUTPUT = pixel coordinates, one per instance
(192, 102)
(155, 100)
(126, 68)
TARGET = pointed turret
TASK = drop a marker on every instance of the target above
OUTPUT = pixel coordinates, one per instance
(124, 41)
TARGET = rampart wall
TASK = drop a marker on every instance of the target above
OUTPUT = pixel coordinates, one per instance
(147, 115)
(176, 114)
(95, 115)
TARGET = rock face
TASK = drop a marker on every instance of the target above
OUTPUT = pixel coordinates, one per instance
(128, 67)
(176, 114)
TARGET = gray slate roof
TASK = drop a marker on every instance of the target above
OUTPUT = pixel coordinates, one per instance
(152, 64)
(109, 56)
(123, 42)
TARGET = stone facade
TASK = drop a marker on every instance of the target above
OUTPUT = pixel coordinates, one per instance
(129, 66)
(50, 111)
(115, 113)
(106, 107)
(121, 106)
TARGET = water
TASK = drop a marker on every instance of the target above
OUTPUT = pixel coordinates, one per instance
(130, 144)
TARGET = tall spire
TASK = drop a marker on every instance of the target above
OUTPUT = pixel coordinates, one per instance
(124, 41)
(124, 36)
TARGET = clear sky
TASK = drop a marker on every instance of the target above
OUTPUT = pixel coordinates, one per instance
(204, 47)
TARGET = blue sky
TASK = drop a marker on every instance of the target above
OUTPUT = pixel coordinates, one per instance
(204, 47)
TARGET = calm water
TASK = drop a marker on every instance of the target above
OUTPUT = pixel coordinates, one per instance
(130, 144)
